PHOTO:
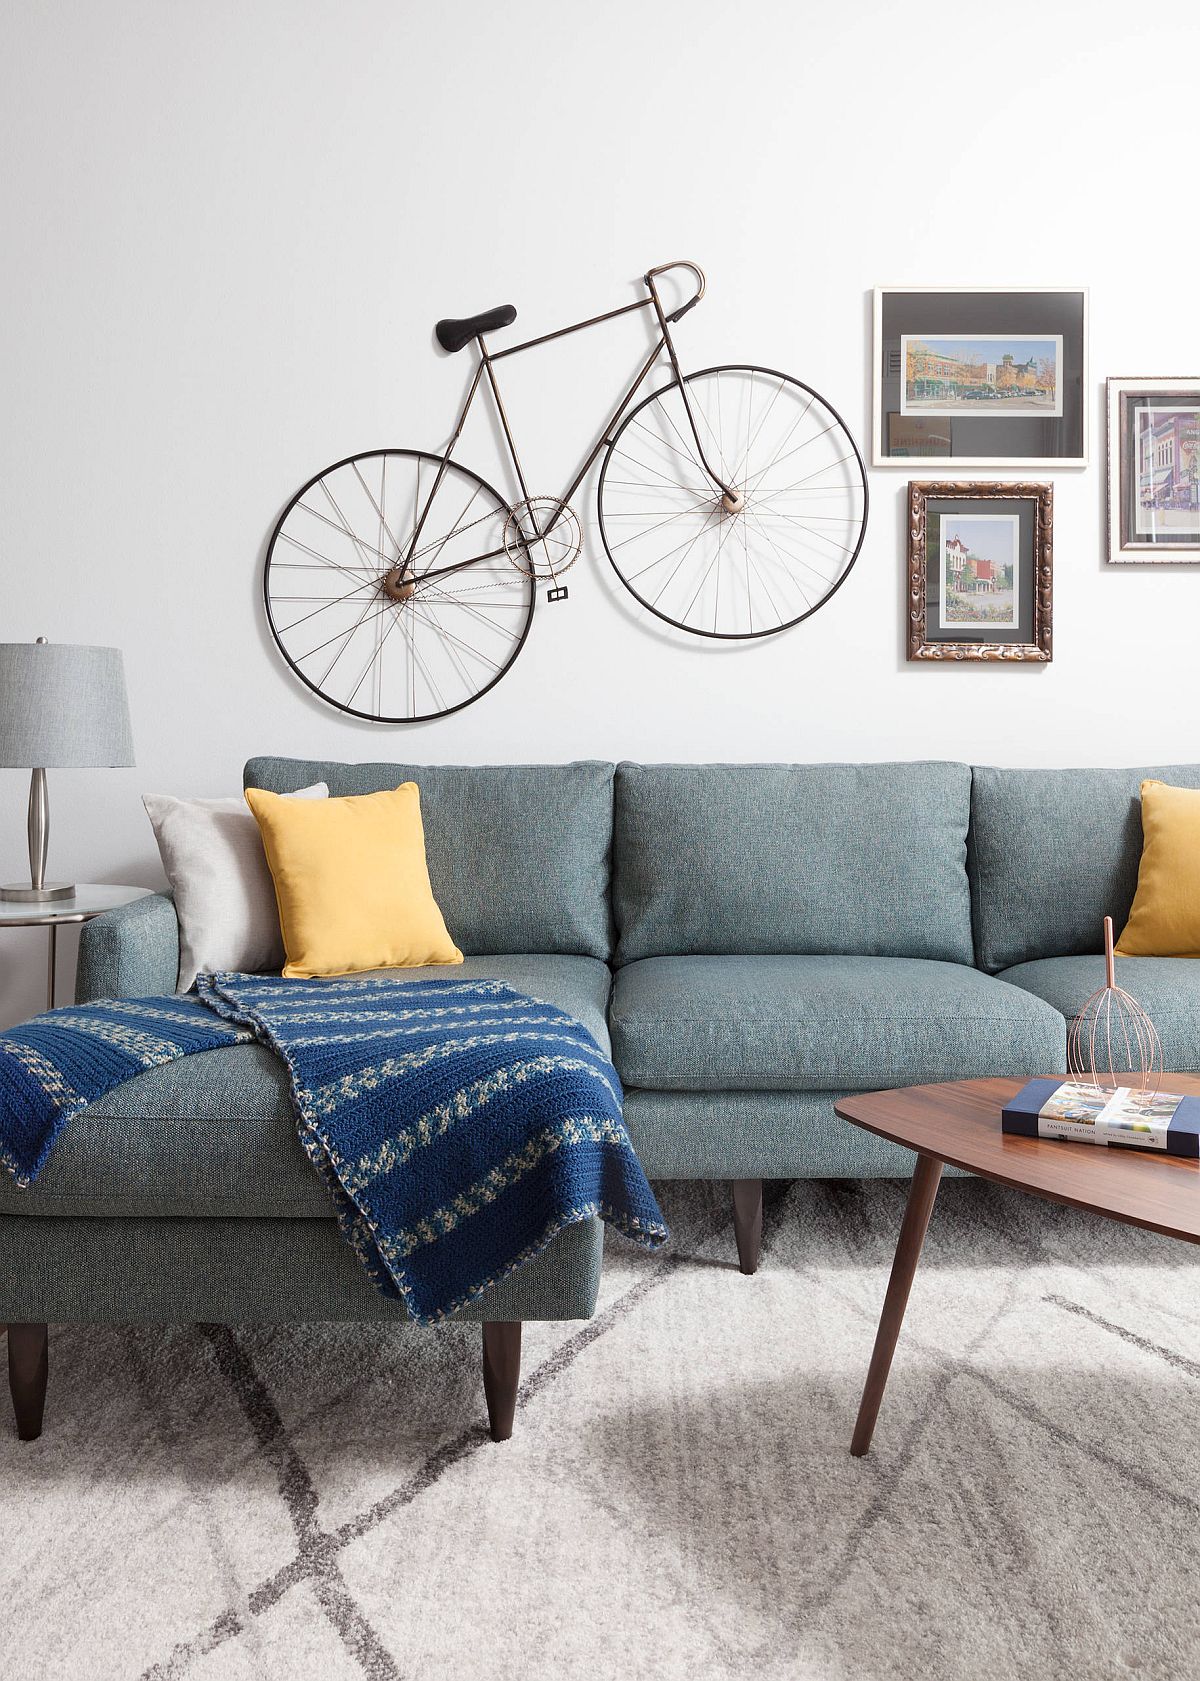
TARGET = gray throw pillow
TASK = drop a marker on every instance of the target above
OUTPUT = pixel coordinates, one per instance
(224, 896)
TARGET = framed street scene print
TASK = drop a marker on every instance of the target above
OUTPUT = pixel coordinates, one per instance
(1153, 469)
(975, 378)
(980, 571)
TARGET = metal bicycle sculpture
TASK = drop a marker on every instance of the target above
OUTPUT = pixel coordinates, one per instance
(732, 503)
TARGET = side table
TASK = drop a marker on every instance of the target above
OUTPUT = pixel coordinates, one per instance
(91, 899)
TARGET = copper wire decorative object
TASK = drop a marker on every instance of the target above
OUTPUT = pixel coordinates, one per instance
(1112, 1041)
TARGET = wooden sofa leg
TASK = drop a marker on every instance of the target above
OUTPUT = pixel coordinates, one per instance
(747, 1222)
(501, 1374)
(28, 1365)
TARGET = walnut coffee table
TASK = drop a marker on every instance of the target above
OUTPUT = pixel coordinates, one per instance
(959, 1122)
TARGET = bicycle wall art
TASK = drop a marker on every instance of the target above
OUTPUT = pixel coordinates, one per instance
(731, 502)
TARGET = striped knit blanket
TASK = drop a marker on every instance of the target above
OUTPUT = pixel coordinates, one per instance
(459, 1125)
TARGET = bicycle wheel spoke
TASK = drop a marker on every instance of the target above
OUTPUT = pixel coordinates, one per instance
(762, 473)
(676, 484)
(684, 513)
(360, 544)
(330, 601)
(383, 525)
(363, 548)
(457, 641)
(470, 609)
(714, 440)
(304, 566)
(688, 543)
(737, 471)
(705, 527)
(697, 497)
(373, 664)
(721, 429)
(749, 596)
(453, 531)
(346, 637)
(794, 560)
(665, 414)
(684, 454)
(451, 651)
(766, 589)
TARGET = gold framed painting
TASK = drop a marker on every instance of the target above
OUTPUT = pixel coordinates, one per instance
(980, 571)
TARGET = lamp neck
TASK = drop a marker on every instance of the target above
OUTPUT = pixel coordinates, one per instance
(39, 827)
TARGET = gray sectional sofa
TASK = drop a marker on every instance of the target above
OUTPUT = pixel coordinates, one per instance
(752, 941)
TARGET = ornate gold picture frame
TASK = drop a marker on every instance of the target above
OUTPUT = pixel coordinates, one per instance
(980, 571)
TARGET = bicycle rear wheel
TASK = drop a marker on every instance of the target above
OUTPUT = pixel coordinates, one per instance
(733, 572)
(374, 632)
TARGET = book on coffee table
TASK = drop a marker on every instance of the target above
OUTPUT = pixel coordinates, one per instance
(1136, 1120)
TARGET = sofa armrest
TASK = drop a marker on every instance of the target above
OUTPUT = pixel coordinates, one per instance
(132, 952)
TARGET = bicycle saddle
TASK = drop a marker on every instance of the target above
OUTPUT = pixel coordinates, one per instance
(452, 335)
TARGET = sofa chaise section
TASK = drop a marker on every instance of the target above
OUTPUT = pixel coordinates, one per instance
(185, 1194)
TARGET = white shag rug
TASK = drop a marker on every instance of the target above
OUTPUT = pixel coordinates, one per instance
(678, 1499)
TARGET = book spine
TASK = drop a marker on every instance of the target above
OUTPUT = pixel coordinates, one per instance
(1171, 1141)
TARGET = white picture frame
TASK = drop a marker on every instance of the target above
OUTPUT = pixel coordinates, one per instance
(939, 420)
(1135, 541)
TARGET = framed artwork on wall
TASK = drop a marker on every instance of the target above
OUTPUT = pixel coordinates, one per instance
(1153, 469)
(980, 571)
(979, 378)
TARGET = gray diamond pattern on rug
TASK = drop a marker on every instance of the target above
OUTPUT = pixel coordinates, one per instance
(678, 1500)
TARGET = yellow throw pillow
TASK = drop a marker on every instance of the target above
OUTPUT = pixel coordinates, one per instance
(353, 887)
(1165, 918)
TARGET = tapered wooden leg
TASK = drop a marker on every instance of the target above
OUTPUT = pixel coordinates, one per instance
(501, 1374)
(915, 1224)
(28, 1365)
(747, 1222)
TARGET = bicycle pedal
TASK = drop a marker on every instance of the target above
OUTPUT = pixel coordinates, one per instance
(559, 594)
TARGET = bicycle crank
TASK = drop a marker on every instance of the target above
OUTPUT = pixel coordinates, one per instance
(543, 538)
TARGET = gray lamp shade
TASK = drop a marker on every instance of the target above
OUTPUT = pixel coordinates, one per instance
(62, 705)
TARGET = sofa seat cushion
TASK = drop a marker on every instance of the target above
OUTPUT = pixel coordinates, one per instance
(1167, 988)
(214, 1134)
(822, 1023)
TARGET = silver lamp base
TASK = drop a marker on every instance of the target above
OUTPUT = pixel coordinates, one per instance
(18, 894)
(38, 891)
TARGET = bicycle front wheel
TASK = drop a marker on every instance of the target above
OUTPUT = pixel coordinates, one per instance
(741, 566)
(388, 590)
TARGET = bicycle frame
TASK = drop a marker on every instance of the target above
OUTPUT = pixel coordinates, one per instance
(486, 370)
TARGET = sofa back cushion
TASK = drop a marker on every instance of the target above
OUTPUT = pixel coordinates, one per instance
(518, 854)
(1052, 852)
(857, 860)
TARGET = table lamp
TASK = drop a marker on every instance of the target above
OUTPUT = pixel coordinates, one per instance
(61, 705)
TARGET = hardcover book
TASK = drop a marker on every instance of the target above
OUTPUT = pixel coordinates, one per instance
(1137, 1120)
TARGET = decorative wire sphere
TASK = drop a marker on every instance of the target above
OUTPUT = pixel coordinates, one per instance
(542, 537)
(1112, 1041)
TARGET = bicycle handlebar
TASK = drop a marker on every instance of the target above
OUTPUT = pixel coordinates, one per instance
(663, 268)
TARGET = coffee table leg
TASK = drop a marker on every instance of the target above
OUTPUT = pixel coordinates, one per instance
(922, 1192)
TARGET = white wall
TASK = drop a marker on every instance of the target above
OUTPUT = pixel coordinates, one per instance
(227, 232)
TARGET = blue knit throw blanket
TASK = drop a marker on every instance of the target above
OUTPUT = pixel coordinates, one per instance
(459, 1125)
